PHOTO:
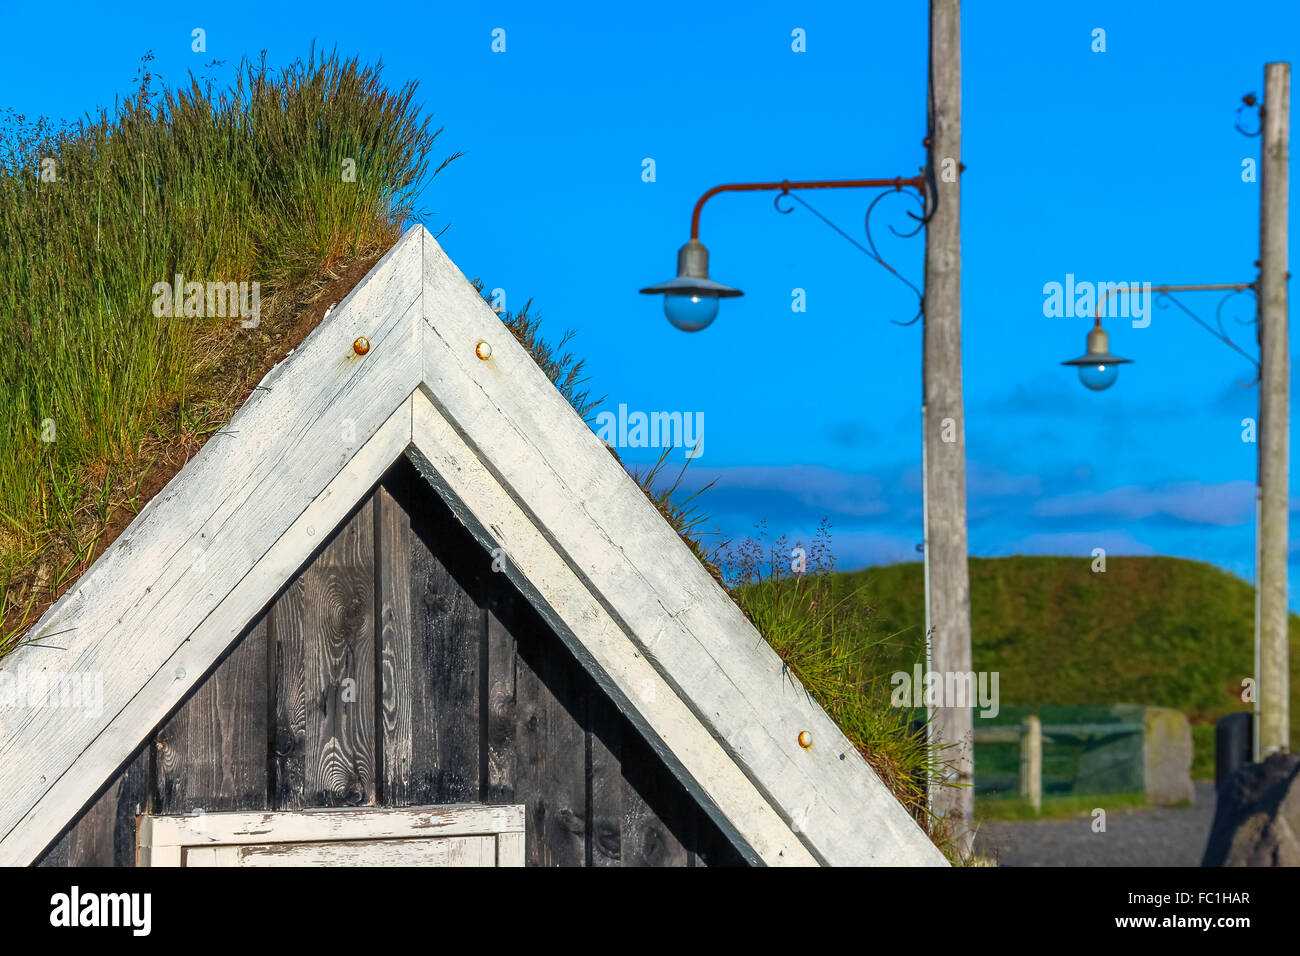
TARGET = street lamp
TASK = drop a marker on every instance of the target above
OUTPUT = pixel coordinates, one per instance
(691, 304)
(691, 299)
(1098, 369)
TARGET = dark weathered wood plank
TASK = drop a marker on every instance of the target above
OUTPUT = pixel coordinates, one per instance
(448, 634)
(551, 751)
(103, 834)
(432, 636)
(290, 689)
(658, 814)
(325, 683)
(211, 753)
(500, 743)
(606, 781)
(396, 733)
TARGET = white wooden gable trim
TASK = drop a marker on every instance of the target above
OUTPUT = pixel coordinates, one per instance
(525, 474)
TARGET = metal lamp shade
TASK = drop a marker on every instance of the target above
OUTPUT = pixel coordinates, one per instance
(693, 276)
(1098, 352)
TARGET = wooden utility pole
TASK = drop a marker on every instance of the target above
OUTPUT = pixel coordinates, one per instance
(947, 572)
(1274, 413)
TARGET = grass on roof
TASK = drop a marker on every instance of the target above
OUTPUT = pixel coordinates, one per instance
(277, 179)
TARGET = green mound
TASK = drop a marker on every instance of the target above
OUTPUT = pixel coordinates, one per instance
(1149, 630)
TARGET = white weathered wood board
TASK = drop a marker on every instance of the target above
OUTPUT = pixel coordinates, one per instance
(449, 851)
(461, 835)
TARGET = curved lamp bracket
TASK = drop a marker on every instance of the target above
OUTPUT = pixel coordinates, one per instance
(785, 191)
(1164, 296)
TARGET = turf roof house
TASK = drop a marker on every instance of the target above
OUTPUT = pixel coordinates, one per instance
(310, 615)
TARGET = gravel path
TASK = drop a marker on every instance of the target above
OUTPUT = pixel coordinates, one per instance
(1139, 837)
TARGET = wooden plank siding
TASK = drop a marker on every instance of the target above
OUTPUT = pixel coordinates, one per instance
(399, 668)
(211, 754)
(324, 626)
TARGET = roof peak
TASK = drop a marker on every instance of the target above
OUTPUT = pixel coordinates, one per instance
(525, 474)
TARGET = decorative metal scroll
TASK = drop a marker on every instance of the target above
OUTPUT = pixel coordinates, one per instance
(869, 250)
(1218, 330)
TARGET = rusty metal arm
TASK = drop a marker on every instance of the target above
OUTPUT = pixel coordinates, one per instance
(785, 186)
(1164, 292)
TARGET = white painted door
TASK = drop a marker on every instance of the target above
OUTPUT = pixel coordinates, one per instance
(466, 835)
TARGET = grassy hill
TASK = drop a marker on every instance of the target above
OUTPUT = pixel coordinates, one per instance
(1156, 631)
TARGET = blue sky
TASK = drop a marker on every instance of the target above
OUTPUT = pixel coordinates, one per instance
(1120, 166)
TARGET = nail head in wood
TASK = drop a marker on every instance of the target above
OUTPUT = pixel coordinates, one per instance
(361, 346)
(805, 739)
(483, 351)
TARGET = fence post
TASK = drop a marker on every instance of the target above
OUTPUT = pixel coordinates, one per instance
(1031, 761)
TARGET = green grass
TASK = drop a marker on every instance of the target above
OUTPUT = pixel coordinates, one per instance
(1056, 807)
(244, 183)
(1149, 630)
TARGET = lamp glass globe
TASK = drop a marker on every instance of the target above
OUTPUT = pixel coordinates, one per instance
(1098, 377)
(691, 313)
